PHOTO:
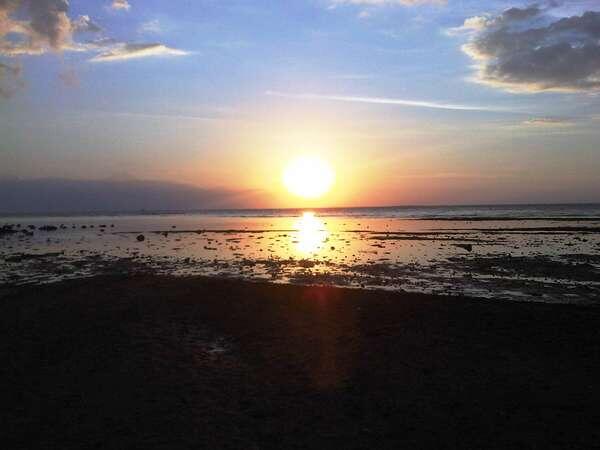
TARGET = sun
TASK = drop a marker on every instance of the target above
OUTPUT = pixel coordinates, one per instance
(309, 177)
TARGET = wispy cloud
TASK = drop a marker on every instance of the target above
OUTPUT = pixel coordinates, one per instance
(120, 5)
(471, 25)
(548, 122)
(152, 26)
(123, 52)
(386, 101)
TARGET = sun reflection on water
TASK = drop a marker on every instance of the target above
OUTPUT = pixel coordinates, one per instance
(312, 234)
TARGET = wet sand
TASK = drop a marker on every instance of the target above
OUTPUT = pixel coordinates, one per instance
(162, 362)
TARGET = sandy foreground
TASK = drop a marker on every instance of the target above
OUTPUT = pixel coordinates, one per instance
(162, 362)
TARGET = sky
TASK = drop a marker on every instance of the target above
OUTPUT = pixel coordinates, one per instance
(410, 101)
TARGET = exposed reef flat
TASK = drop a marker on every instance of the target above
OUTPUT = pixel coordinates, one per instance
(554, 260)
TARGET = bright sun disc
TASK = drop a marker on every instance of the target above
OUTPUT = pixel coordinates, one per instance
(308, 177)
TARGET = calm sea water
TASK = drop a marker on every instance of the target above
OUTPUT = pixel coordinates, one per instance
(534, 211)
(433, 212)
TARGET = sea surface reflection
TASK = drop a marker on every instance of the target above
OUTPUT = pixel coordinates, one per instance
(312, 234)
(538, 259)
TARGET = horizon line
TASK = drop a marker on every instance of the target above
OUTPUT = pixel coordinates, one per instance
(321, 208)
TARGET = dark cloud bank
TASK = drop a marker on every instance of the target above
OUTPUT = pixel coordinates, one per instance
(68, 196)
(529, 50)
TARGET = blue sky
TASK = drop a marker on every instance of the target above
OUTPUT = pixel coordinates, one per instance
(219, 87)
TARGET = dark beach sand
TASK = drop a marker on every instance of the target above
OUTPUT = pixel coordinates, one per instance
(156, 362)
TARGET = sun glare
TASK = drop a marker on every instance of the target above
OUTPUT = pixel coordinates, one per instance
(308, 177)
(312, 234)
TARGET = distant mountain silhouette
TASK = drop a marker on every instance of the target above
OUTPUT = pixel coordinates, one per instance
(50, 195)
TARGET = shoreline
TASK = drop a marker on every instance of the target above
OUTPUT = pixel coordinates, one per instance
(168, 362)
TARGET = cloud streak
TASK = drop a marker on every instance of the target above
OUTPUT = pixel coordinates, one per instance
(122, 52)
(548, 122)
(386, 101)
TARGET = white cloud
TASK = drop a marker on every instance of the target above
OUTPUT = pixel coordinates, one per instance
(120, 5)
(122, 52)
(471, 24)
(83, 24)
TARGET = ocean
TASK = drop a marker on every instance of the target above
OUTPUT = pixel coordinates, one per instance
(533, 211)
